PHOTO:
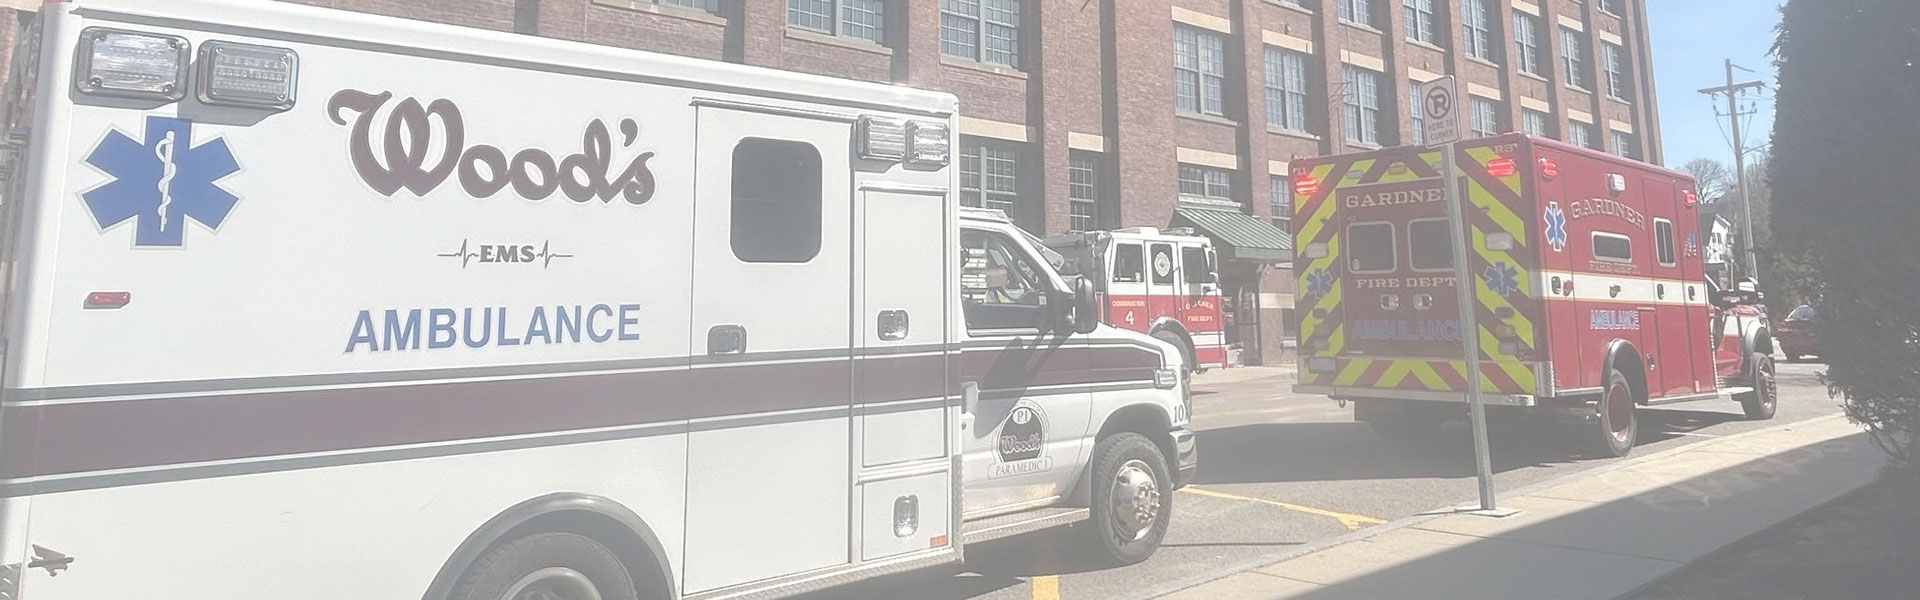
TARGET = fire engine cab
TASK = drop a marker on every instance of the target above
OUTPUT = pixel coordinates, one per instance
(1161, 282)
(1588, 287)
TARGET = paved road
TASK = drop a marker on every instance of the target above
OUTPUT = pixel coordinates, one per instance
(1279, 470)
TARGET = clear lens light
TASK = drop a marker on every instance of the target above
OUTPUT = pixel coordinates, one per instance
(928, 143)
(1499, 241)
(1317, 250)
(134, 64)
(247, 75)
(883, 139)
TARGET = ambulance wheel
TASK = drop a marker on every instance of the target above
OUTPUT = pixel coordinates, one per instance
(1619, 426)
(548, 566)
(1132, 499)
(1186, 354)
(1761, 403)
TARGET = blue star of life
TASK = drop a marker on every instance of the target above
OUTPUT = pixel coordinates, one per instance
(1502, 279)
(1556, 227)
(160, 182)
(1319, 283)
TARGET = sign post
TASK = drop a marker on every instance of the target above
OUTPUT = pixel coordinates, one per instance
(1441, 105)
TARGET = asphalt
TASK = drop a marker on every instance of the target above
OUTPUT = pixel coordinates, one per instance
(1281, 472)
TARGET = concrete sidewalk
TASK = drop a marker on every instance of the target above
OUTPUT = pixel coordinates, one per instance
(1599, 534)
(1247, 373)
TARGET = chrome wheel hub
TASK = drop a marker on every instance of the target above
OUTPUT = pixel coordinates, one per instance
(1136, 500)
(553, 583)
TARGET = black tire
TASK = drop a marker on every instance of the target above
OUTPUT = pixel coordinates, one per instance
(555, 563)
(1618, 425)
(1116, 535)
(1761, 403)
(1186, 354)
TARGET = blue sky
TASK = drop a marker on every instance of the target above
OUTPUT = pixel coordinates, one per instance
(1691, 38)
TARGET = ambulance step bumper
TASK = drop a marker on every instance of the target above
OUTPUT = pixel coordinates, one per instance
(993, 528)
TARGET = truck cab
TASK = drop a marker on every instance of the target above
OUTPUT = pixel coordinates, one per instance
(1160, 282)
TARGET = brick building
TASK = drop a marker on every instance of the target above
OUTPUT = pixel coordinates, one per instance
(1116, 113)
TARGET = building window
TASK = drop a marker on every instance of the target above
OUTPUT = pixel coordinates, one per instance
(1362, 92)
(1534, 123)
(1281, 202)
(858, 19)
(1419, 116)
(708, 6)
(1286, 90)
(1206, 183)
(1476, 29)
(1420, 20)
(1610, 6)
(1358, 12)
(1622, 144)
(1526, 42)
(776, 201)
(984, 30)
(1083, 191)
(1610, 59)
(1485, 117)
(1199, 71)
(1573, 53)
(1580, 134)
(989, 174)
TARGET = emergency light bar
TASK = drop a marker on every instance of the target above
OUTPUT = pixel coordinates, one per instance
(928, 143)
(249, 76)
(918, 143)
(125, 64)
(883, 139)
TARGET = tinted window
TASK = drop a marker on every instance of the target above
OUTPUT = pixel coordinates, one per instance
(1663, 241)
(1193, 264)
(1126, 263)
(1617, 248)
(1163, 264)
(1804, 313)
(1371, 247)
(1429, 245)
(776, 201)
(1000, 286)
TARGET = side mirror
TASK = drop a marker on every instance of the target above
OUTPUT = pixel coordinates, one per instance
(1086, 306)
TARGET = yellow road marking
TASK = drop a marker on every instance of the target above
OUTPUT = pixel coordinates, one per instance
(1353, 522)
(1046, 587)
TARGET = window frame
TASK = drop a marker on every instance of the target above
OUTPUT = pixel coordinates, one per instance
(837, 23)
(1081, 163)
(1280, 202)
(1187, 273)
(1419, 133)
(1613, 62)
(756, 208)
(1393, 252)
(1529, 116)
(1475, 104)
(1356, 12)
(1140, 263)
(1422, 21)
(981, 27)
(706, 6)
(1573, 56)
(1361, 104)
(1412, 263)
(1209, 88)
(1586, 131)
(1206, 182)
(975, 149)
(1043, 287)
(1664, 252)
(1289, 104)
(1476, 30)
(1595, 247)
(1526, 40)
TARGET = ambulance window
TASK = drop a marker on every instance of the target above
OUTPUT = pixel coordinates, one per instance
(1127, 266)
(1000, 286)
(1612, 247)
(1371, 247)
(1663, 241)
(1193, 262)
(1429, 245)
(776, 201)
(1163, 264)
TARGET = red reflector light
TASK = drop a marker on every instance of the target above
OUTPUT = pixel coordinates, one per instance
(1305, 184)
(108, 299)
(1549, 169)
(1500, 166)
(1691, 198)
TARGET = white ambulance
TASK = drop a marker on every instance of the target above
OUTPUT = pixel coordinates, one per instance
(309, 304)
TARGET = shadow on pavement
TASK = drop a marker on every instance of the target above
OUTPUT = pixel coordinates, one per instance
(1562, 546)
(1321, 451)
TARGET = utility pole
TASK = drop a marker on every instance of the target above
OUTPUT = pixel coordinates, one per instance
(1732, 91)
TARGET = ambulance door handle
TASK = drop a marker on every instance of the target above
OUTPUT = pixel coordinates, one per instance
(969, 397)
(726, 340)
(1660, 290)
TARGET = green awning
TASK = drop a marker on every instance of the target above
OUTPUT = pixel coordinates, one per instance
(1237, 235)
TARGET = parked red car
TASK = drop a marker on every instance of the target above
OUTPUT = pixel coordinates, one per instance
(1796, 333)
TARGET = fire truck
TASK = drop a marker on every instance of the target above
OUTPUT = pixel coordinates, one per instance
(1588, 287)
(1161, 282)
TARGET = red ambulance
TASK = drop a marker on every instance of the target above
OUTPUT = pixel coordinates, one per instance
(1588, 286)
(1161, 282)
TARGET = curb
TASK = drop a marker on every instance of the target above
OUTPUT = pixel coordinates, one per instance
(1447, 510)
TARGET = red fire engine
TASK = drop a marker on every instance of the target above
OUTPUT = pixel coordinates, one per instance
(1589, 289)
(1160, 282)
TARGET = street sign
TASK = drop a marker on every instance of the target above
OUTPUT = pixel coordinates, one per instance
(1440, 107)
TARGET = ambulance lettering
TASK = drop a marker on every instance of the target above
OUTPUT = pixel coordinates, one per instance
(1023, 442)
(443, 328)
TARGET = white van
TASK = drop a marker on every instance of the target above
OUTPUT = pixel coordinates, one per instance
(310, 304)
